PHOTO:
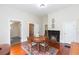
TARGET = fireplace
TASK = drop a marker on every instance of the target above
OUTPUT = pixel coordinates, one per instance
(54, 35)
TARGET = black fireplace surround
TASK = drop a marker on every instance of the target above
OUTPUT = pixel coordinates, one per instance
(54, 33)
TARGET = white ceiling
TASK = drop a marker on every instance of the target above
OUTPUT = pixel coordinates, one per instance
(34, 9)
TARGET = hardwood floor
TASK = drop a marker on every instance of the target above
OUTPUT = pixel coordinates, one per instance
(16, 49)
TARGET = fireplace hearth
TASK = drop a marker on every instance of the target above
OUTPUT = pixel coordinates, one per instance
(54, 35)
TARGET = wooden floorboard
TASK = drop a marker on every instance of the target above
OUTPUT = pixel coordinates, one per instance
(16, 49)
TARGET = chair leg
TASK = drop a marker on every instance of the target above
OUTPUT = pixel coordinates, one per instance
(38, 47)
(44, 47)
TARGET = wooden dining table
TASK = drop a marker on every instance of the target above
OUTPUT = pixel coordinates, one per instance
(37, 40)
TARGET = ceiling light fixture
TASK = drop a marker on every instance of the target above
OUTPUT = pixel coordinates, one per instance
(42, 5)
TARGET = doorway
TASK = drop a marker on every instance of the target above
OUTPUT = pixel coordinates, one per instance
(31, 30)
(15, 32)
(46, 30)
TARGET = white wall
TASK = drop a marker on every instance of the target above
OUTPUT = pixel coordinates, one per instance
(64, 16)
(70, 14)
(9, 13)
(44, 21)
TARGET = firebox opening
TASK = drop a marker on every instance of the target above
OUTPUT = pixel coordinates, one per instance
(54, 35)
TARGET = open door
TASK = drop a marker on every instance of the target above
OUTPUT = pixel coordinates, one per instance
(46, 30)
(15, 32)
(31, 30)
